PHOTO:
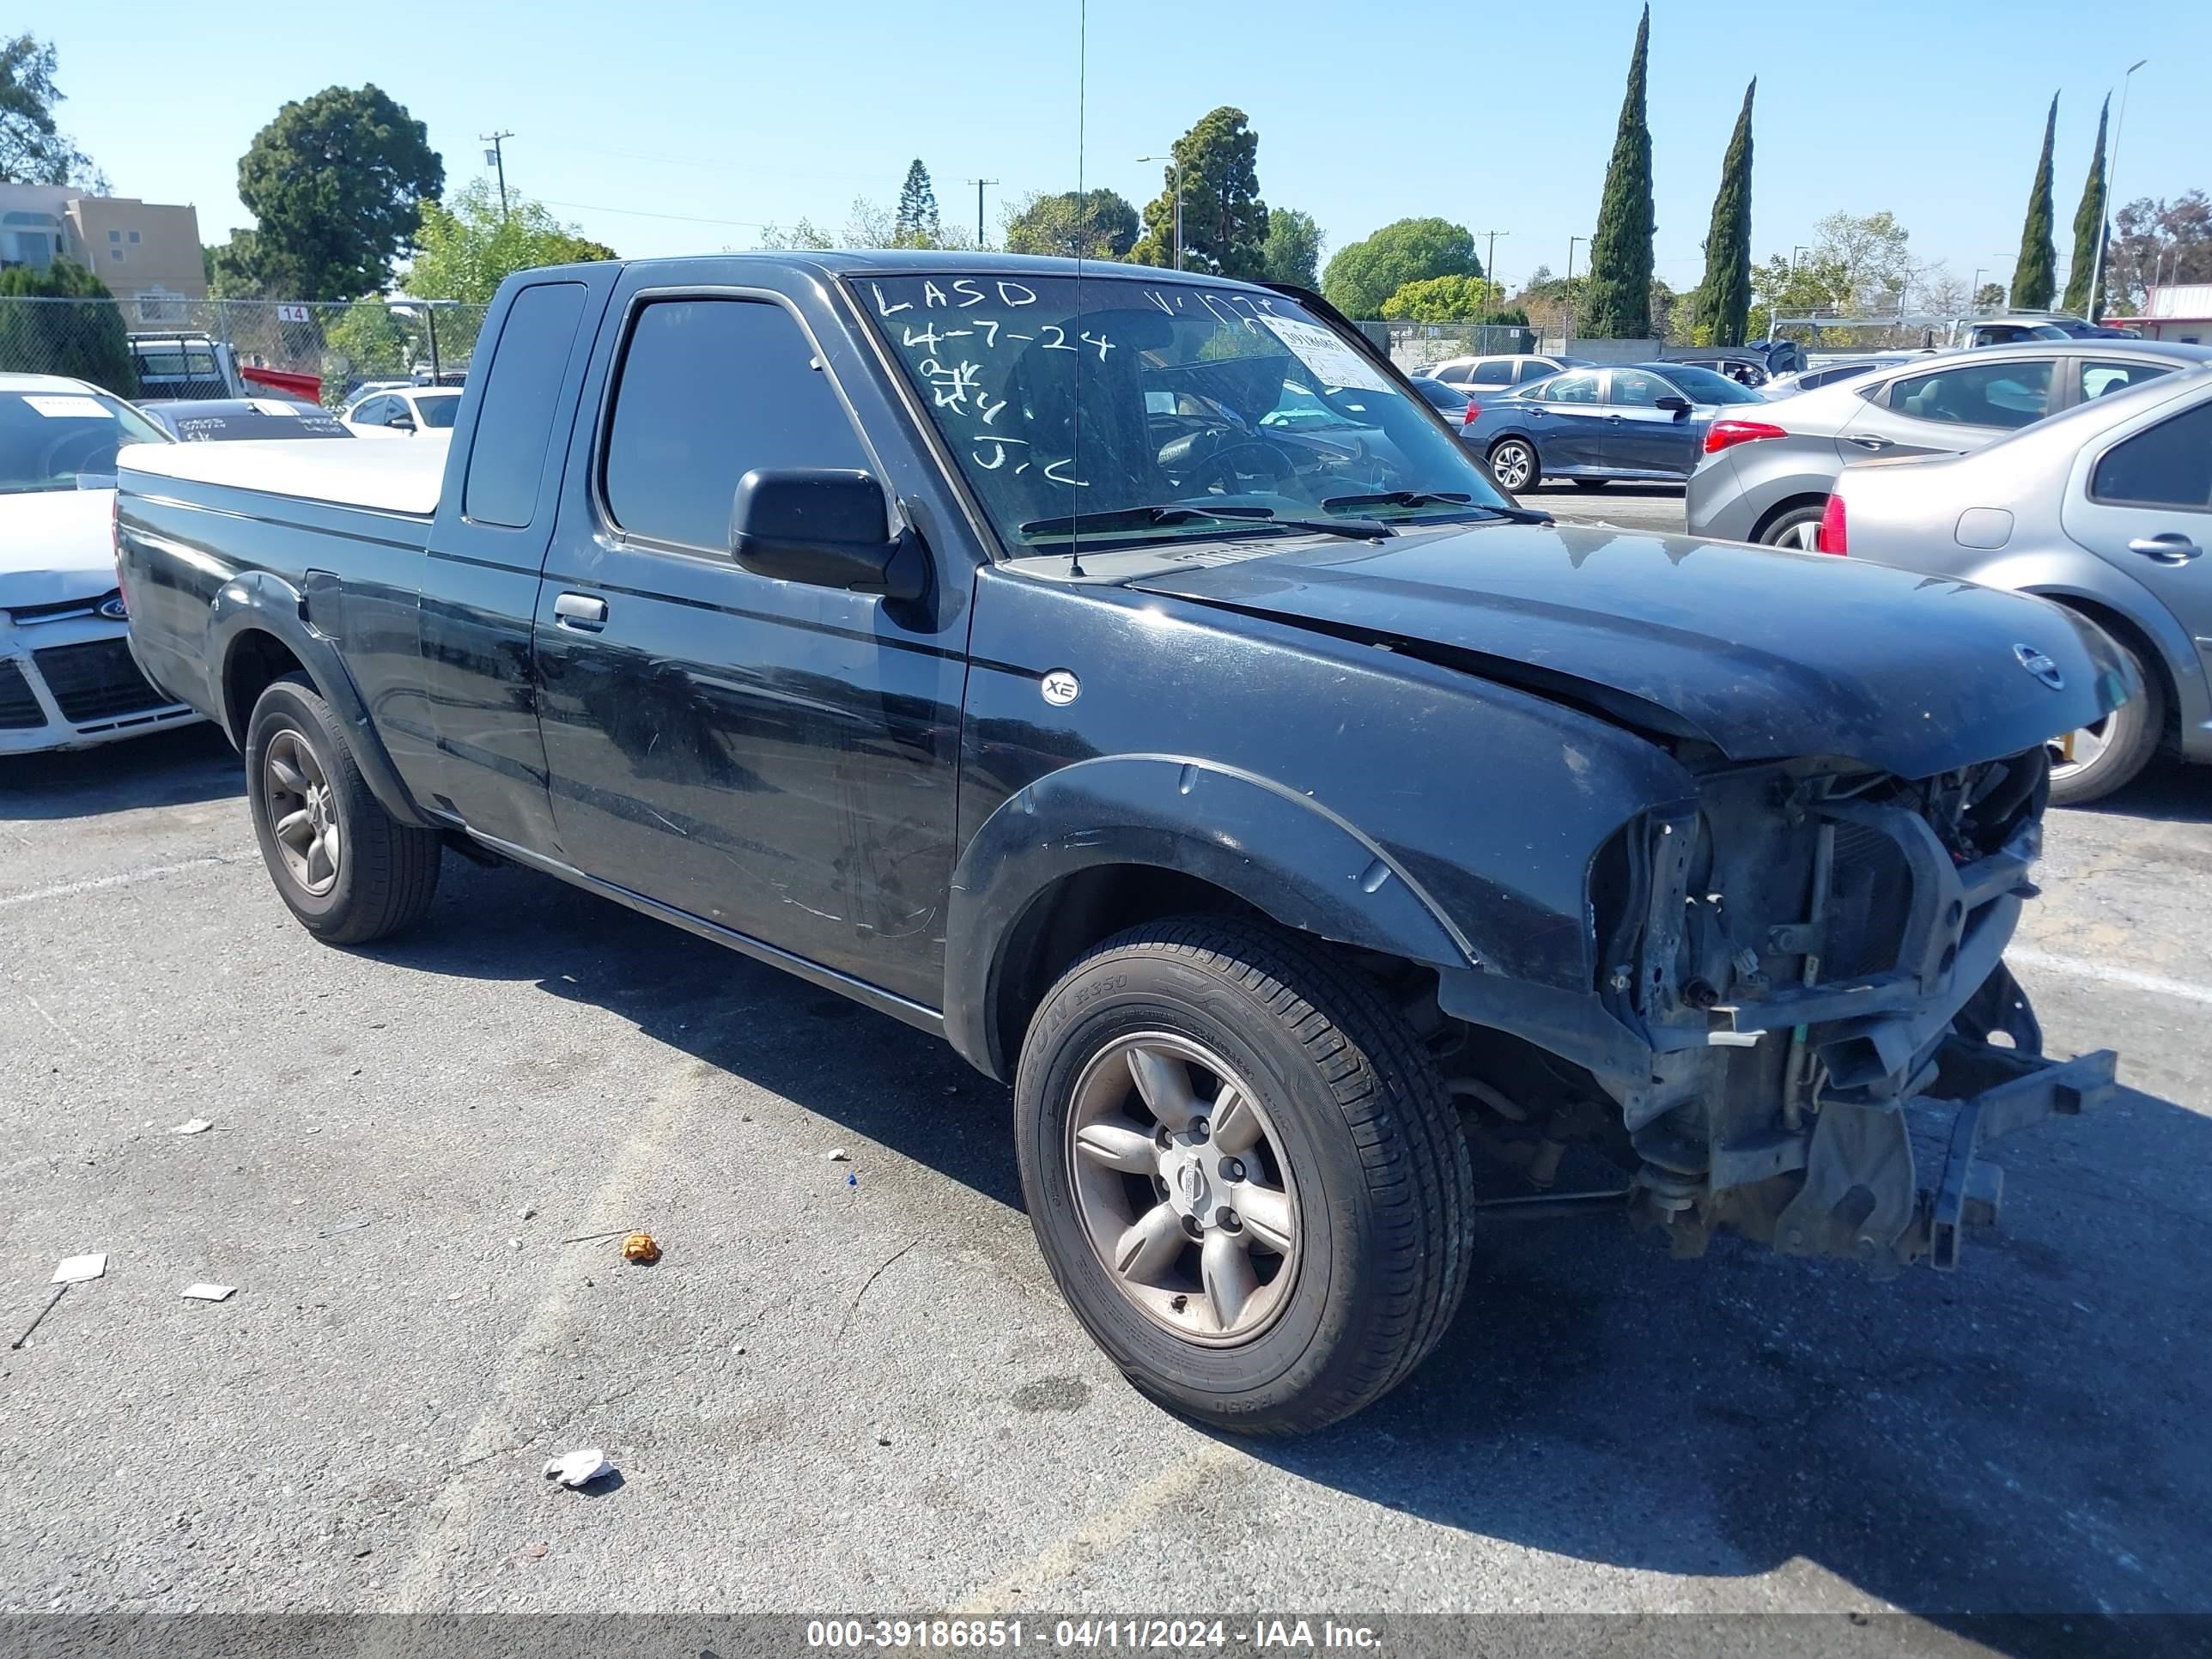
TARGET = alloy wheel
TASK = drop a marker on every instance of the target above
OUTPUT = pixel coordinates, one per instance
(1512, 463)
(1805, 536)
(1182, 1189)
(302, 811)
(2073, 752)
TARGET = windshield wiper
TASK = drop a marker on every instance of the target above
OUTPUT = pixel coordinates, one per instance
(1177, 513)
(1436, 498)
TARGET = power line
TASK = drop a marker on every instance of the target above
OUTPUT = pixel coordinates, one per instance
(639, 213)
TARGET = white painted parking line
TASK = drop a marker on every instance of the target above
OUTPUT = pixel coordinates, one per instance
(128, 879)
(2081, 968)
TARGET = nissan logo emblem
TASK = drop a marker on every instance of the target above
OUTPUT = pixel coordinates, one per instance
(2040, 665)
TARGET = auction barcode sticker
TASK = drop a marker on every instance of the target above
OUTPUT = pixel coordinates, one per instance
(1336, 363)
(65, 408)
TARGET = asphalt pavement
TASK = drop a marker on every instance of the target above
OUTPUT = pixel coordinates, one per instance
(849, 1384)
(1625, 506)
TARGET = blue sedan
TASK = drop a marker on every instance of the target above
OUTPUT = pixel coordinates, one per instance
(1639, 421)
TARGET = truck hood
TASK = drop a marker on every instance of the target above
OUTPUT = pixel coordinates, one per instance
(1761, 653)
(56, 545)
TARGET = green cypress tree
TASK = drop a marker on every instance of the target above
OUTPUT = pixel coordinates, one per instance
(1619, 290)
(2088, 220)
(915, 224)
(1724, 299)
(2035, 277)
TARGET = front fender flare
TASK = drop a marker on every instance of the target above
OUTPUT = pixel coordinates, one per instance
(1282, 852)
(257, 601)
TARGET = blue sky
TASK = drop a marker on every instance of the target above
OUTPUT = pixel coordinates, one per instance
(741, 114)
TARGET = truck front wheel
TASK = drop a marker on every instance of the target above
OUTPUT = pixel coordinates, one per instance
(342, 865)
(1244, 1173)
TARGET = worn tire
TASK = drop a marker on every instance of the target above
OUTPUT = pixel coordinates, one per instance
(1514, 458)
(387, 872)
(2131, 737)
(1371, 1137)
(1798, 521)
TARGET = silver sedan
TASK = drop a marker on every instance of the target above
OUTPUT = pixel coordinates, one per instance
(2107, 510)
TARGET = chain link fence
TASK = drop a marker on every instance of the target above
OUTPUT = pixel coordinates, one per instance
(1414, 346)
(172, 348)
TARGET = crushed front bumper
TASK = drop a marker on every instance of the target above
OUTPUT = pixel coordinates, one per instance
(67, 681)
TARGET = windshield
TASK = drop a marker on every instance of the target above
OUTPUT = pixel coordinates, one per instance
(1702, 385)
(438, 413)
(1061, 398)
(65, 440)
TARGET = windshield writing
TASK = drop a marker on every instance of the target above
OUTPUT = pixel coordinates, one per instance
(1061, 396)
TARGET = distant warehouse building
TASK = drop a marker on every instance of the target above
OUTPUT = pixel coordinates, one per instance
(2183, 313)
(147, 253)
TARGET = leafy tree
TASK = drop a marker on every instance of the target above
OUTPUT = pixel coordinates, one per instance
(2088, 222)
(1291, 253)
(804, 236)
(1618, 303)
(1724, 298)
(915, 224)
(1439, 300)
(86, 342)
(465, 248)
(33, 151)
(1364, 274)
(1097, 224)
(234, 268)
(2158, 241)
(367, 342)
(1224, 222)
(337, 184)
(2035, 276)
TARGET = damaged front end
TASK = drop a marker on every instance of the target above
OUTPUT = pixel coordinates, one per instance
(1813, 954)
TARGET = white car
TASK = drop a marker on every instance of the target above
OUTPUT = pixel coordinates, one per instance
(402, 412)
(67, 680)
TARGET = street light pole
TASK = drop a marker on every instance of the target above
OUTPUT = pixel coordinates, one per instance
(1177, 161)
(1567, 331)
(2112, 172)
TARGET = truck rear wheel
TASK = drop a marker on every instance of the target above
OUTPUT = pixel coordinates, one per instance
(1244, 1173)
(342, 865)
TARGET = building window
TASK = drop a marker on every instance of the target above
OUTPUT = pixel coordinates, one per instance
(114, 235)
(134, 238)
(115, 253)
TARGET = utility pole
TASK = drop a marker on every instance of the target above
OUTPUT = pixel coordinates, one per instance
(497, 156)
(1177, 160)
(1567, 334)
(1490, 269)
(979, 183)
(2112, 172)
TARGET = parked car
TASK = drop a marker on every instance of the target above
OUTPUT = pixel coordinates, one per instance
(1744, 370)
(1766, 477)
(186, 366)
(1447, 400)
(1640, 420)
(402, 413)
(1497, 372)
(1821, 374)
(2107, 510)
(952, 631)
(2022, 331)
(227, 419)
(66, 677)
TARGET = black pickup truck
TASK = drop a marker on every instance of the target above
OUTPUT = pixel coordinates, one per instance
(1125, 675)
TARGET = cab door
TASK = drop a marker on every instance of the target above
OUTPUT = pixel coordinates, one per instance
(775, 758)
(1642, 437)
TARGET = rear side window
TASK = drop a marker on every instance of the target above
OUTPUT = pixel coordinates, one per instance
(1495, 372)
(515, 424)
(2099, 379)
(1578, 387)
(1977, 394)
(2169, 465)
(711, 389)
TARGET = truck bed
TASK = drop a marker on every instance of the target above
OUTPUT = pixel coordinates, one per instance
(394, 477)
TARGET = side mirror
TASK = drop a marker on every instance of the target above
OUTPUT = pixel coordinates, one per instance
(825, 526)
(402, 421)
(1678, 407)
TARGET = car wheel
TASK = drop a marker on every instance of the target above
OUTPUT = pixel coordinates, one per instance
(1591, 483)
(343, 865)
(1513, 466)
(1798, 528)
(1244, 1173)
(2089, 763)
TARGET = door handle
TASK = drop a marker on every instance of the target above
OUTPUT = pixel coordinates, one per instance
(1868, 440)
(2172, 548)
(583, 611)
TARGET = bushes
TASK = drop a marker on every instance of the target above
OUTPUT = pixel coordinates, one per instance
(62, 320)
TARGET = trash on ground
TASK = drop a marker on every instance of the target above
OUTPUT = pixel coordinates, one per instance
(513, 1244)
(836, 1155)
(852, 1180)
(209, 1292)
(192, 1126)
(578, 1469)
(528, 1212)
(343, 1227)
(639, 1248)
(75, 1269)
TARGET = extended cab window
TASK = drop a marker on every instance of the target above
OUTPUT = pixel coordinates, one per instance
(515, 424)
(711, 389)
(2169, 465)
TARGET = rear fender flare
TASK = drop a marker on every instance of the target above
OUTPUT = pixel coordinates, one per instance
(259, 602)
(1289, 856)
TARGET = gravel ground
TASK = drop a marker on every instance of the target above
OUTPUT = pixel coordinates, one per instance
(851, 1386)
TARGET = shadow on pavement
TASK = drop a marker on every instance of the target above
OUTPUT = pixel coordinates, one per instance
(2027, 1435)
(2170, 791)
(177, 768)
(1563, 489)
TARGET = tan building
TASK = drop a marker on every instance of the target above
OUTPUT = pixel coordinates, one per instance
(147, 253)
